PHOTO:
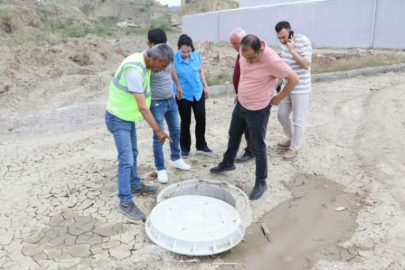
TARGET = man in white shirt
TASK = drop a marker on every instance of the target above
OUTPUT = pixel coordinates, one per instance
(296, 51)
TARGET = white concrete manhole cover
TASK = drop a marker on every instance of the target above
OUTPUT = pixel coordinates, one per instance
(195, 225)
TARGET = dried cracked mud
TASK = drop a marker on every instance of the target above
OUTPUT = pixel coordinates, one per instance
(58, 179)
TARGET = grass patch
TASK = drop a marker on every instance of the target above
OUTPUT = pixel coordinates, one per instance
(162, 23)
(103, 31)
(375, 60)
(80, 31)
(218, 79)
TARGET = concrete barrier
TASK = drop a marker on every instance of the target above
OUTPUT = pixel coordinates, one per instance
(228, 90)
(327, 23)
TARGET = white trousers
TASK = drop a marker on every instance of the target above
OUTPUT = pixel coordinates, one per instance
(298, 105)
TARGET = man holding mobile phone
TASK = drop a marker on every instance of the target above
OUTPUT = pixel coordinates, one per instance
(296, 51)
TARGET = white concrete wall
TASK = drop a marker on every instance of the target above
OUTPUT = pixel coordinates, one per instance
(201, 27)
(390, 24)
(327, 23)
(252, 3)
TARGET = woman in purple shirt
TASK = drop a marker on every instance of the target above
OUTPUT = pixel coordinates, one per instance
(187, 63)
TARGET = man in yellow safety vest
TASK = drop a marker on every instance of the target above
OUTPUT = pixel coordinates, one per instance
(128, 102)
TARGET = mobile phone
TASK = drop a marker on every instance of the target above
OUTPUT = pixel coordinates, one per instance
(290, 34)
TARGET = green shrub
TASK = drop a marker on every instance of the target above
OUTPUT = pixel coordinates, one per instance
(162, 23)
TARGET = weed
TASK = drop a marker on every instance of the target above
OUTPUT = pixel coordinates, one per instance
(162, 23)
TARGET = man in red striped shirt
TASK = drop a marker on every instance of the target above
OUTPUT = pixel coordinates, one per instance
(235, 38)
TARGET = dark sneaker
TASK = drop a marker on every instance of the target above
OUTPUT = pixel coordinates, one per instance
(204, 150)
(258, 191)
(131, 211)
(144, 189)
(184, 154)
(244, 158)
(221, 168)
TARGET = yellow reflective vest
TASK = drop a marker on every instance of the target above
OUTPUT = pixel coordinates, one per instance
(121, 102)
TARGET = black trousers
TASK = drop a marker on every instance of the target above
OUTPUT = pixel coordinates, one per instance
(248, 149)
(256, 122)
(198, 107)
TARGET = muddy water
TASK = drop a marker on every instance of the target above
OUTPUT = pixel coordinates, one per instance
(303, 230)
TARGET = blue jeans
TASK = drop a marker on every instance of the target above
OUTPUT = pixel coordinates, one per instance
(166, 109)
(124, 134)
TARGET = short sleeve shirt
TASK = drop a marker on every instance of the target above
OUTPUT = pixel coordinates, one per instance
(189, 75)
(134, 80)
(256, 85)
(304, 48)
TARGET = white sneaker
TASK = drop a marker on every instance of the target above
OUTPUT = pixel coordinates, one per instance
(162, 177)
(180, 164)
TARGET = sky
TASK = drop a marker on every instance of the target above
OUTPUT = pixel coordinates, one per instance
(170, 2)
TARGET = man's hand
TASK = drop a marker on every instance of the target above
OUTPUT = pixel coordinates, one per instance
(236, 99)
(292, 81)
(291, 45)
(206, 93)
(275, 100)
(179, 92)
(163, 136)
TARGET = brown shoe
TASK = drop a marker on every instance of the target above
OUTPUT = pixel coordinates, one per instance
(290, 154)
(284, 144)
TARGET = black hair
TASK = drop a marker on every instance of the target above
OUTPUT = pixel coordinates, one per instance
(185, 40)
(283, 25)
(157, 36)
(251, 41)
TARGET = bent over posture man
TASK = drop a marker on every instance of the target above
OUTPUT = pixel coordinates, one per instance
(260, 66)
(128, 102)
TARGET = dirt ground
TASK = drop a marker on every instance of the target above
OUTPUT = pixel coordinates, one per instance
(58, 167)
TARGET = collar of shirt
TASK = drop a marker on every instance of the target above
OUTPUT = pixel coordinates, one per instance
(190, 57)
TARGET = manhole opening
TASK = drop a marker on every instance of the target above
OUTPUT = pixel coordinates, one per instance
(208, 191)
